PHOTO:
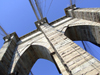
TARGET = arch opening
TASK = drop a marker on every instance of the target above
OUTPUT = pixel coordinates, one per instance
(84, 33)
(29, 58)
(44, 67)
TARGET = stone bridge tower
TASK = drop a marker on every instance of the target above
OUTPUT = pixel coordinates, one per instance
(54, 41)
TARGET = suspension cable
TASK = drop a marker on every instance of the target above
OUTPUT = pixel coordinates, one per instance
(31, 73)
(44, 8)
(3, 31)
(49, 7)
(84, 45)
(91, 47)
(38, 8)
(32, 5)
(2, 34)
(74, 1)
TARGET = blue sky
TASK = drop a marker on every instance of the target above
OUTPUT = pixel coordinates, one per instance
(18, 16)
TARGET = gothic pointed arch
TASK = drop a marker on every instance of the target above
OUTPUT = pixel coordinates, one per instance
(28, 58)
(84, 32)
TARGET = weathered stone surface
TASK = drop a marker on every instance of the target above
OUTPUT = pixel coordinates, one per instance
(18, 56)
(84, 30)
(7, 53)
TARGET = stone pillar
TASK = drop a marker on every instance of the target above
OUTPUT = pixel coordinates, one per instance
(6, 53)
(91, 14)
(70, 58)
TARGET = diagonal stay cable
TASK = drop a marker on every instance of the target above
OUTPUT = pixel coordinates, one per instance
(93, 65)
(74, 1)
(80, 2)
(44, 7)
(33, 7)
(49, 8)
(40, 4)
(91, 48)
(2, 34)
(39, 8)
